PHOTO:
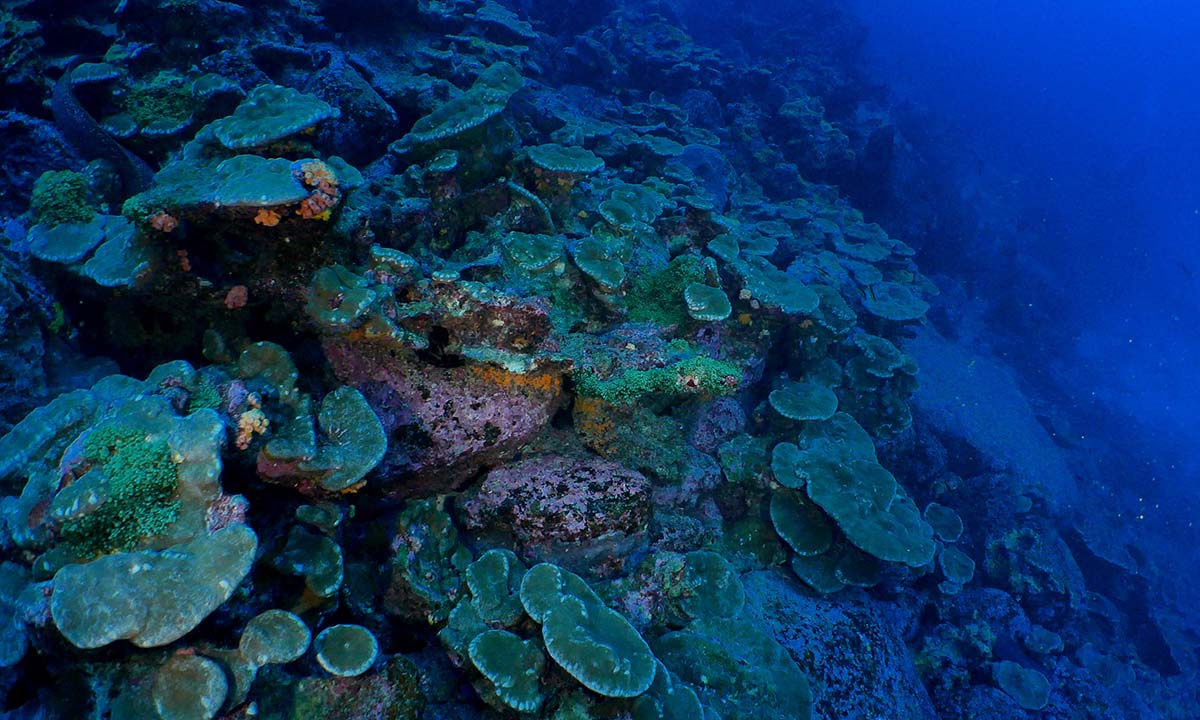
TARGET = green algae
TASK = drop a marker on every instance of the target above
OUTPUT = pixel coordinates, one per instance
(659, 297)
(166, 96)
(61, 197)
(205, 395)
(694, 376)
(140, 491)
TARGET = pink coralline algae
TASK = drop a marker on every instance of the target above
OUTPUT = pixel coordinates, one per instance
(583, 513)
(445, 424)
(719, 421)
(225, 511)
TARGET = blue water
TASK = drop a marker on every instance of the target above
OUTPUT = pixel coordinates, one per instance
(1084, 118)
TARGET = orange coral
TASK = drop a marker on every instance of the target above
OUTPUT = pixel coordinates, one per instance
(542, 383)
(163, 221)
(554, 183)
(267, 217)
(315, 172)
(251, 422)
(318, 176)
(595, 424)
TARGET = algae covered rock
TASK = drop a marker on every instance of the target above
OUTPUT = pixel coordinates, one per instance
(445, 421)
(392, 692)
(583, 513)
(848, 646)
(13, 636)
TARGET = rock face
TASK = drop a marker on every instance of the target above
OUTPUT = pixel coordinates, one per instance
(30, 145)
(444, 424)
(583, 513)
(21, 370)
(853, 656)
(970, 396)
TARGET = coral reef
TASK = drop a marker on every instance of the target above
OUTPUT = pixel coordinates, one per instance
(502, 360)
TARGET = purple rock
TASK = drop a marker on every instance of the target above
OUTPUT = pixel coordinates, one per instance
(444, 425)
(584, 513)
(721, 420)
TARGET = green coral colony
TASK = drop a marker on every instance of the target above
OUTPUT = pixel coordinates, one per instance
(519, 290)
